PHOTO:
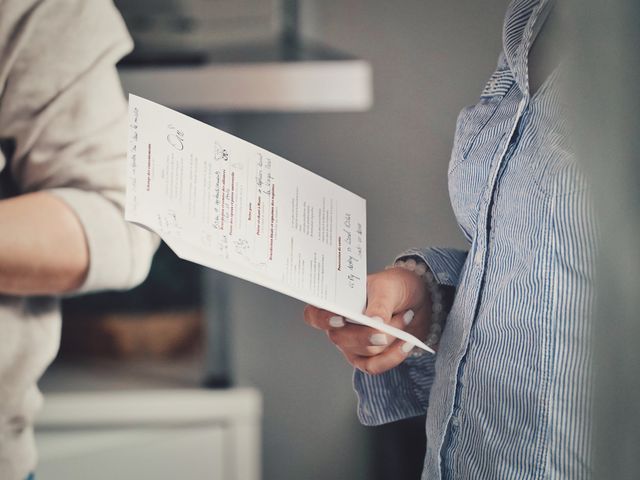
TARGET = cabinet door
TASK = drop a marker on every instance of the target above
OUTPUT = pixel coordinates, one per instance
(165, 453)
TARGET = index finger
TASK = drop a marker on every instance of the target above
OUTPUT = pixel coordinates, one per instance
(390, 358)
(319, 318)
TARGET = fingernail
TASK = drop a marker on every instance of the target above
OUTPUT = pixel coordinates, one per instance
(336, 322)
(378, 339)
(407, 347)
(407, 317)
(378, 319)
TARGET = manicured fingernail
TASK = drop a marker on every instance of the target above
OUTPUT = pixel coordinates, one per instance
(336, 322)
(407, 317)
(378, 339)
(407, 347)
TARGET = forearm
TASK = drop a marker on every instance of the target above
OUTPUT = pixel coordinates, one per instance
(42, 246)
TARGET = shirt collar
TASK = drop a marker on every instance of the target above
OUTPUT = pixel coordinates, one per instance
(523, 22)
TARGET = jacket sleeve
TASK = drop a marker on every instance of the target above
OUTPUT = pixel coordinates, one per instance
(403, 391)
(64, 110)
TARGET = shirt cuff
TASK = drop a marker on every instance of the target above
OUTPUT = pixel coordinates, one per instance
(119, 253)
(399, 393)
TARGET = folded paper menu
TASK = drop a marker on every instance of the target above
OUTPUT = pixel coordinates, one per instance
(224, 203)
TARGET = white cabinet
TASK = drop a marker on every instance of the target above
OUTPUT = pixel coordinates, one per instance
(150, 434)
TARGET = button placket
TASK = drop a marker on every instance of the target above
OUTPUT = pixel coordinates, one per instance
(478, 258)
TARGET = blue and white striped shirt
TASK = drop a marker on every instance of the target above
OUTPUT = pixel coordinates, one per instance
(507, 395)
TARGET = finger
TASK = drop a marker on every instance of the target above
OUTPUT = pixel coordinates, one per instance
(393, 290)
(367, 341)
(351, 340)
(357, 350)
(322, 319)
(391, 358)
(381, 302)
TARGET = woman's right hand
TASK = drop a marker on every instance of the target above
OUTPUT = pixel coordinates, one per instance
(398, 297)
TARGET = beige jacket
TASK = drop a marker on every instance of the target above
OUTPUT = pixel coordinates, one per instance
(62, 129)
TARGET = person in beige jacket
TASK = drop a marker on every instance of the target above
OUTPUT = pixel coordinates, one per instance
(62, 166)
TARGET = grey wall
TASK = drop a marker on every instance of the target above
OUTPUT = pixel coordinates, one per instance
(603, 92)
(429, 59)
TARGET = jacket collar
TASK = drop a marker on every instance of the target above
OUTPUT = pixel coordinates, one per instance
(523, 22)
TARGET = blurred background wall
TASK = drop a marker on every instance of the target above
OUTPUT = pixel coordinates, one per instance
(429, 59)
(605, 75)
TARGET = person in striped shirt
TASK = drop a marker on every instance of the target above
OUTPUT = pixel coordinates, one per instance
(507, 394)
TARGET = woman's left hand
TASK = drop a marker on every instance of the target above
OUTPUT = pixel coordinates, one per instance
(396, 296)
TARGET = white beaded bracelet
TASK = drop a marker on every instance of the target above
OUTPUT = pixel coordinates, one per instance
(438, 314)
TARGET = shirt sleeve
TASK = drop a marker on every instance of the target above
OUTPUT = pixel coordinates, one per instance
(64, 109)
(403, 392)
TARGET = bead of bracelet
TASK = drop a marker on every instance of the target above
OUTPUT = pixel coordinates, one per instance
(438, 314)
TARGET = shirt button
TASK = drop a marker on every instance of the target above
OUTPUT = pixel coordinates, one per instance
(477, 259)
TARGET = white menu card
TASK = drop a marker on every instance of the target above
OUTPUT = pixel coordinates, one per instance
(224, 203)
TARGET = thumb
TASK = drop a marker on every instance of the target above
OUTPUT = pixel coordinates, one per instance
(380, 306)
(393, 291)
(383, 296)
(379, 309)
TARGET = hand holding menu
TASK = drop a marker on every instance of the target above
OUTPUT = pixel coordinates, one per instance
(224, 203)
